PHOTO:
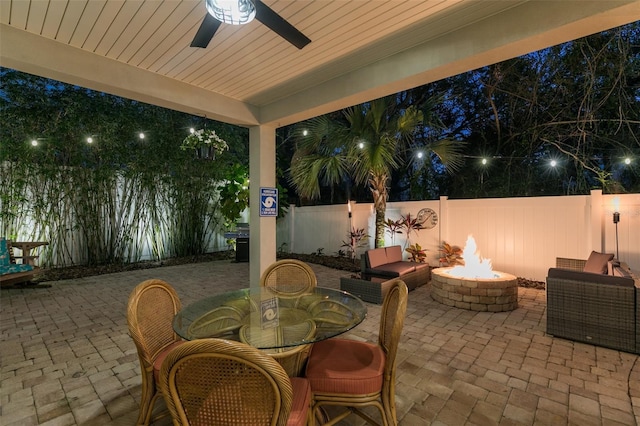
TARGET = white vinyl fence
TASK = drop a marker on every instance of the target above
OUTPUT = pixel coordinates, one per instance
(521, 236)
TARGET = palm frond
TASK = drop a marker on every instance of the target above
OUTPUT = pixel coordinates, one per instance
(450, 153)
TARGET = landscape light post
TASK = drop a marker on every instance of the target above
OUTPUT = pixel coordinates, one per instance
(616, 219)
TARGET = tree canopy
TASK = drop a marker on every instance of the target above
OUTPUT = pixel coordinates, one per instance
(577, 104)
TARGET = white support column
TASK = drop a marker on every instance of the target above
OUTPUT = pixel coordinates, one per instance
(262, 173)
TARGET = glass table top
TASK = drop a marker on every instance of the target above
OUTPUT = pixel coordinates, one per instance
(265, 320)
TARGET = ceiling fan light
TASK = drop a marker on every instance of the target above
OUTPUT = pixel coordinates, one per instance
(235, 12)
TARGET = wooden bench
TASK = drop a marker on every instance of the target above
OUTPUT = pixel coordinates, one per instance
(12, 272)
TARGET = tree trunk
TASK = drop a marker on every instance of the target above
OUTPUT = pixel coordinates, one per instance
(378, 185)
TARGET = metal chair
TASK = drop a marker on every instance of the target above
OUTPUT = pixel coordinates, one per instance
(357, 374)
(226, 383)
(150, 311)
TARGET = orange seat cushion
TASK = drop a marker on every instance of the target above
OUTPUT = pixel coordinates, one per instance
(157, 363)
(301, 402)
(346, 367)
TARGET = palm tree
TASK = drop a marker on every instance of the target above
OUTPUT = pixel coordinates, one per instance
(364, 145)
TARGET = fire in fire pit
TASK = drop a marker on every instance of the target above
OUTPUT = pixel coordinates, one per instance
(474, 286)
(474, 265)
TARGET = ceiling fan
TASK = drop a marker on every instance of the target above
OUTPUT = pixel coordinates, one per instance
(239, 12)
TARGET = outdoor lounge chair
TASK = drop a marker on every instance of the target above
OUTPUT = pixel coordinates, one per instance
(16, 273)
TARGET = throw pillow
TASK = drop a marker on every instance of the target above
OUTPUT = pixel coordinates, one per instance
(597, 262)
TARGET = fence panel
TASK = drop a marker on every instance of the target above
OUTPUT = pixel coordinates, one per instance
(521, 236)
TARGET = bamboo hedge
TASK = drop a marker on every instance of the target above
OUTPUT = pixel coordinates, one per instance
(119, 199)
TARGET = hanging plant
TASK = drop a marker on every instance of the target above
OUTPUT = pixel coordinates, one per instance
(206, 143)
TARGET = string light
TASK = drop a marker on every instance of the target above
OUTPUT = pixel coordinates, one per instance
(89, 139)
(192, 130)
(361, 145)
(141, 135)
(419, 154)
(484, 161)
(553, 163)
(34, 142)
(305, 132)
(627, 161)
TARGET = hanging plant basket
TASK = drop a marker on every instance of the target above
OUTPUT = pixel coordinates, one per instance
(205, 153)
(205, 143)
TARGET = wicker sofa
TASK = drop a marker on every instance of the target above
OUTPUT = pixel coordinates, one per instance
(379, 268)
(602, 309)
(386, 262)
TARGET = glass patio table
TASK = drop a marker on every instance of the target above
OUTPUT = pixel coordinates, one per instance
(269, 321)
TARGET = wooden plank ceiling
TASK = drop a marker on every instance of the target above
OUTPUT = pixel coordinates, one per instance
(250, 64)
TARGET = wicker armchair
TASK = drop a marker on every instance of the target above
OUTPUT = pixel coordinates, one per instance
(226, 383)
(598, 309)
(152, 306)
(356, 374)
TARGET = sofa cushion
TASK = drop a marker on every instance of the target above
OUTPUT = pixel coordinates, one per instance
(394, 254)
(589, 277)
(597, 262)
(394, 269)
(15, 269)
(377, 257)
(420, 265)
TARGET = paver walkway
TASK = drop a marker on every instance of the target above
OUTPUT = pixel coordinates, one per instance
(66, 357)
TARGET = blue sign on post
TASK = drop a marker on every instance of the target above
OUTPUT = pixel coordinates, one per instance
(269, 202)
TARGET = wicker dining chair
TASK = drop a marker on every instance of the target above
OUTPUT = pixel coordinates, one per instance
(292, 359)
(216, 323)
(288, 278)
(356, 374)
(222, 382)
(150, 311)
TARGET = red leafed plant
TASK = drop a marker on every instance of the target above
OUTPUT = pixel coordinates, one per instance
(451, 255)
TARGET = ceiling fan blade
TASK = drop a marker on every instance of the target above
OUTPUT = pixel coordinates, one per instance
(206, 31)
(280, 26)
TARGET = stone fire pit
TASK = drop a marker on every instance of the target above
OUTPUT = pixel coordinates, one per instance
(497, 294)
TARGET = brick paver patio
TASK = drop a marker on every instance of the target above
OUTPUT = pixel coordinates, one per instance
(66, 357)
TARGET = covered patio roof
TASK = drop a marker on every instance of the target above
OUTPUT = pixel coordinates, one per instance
(248, 75)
